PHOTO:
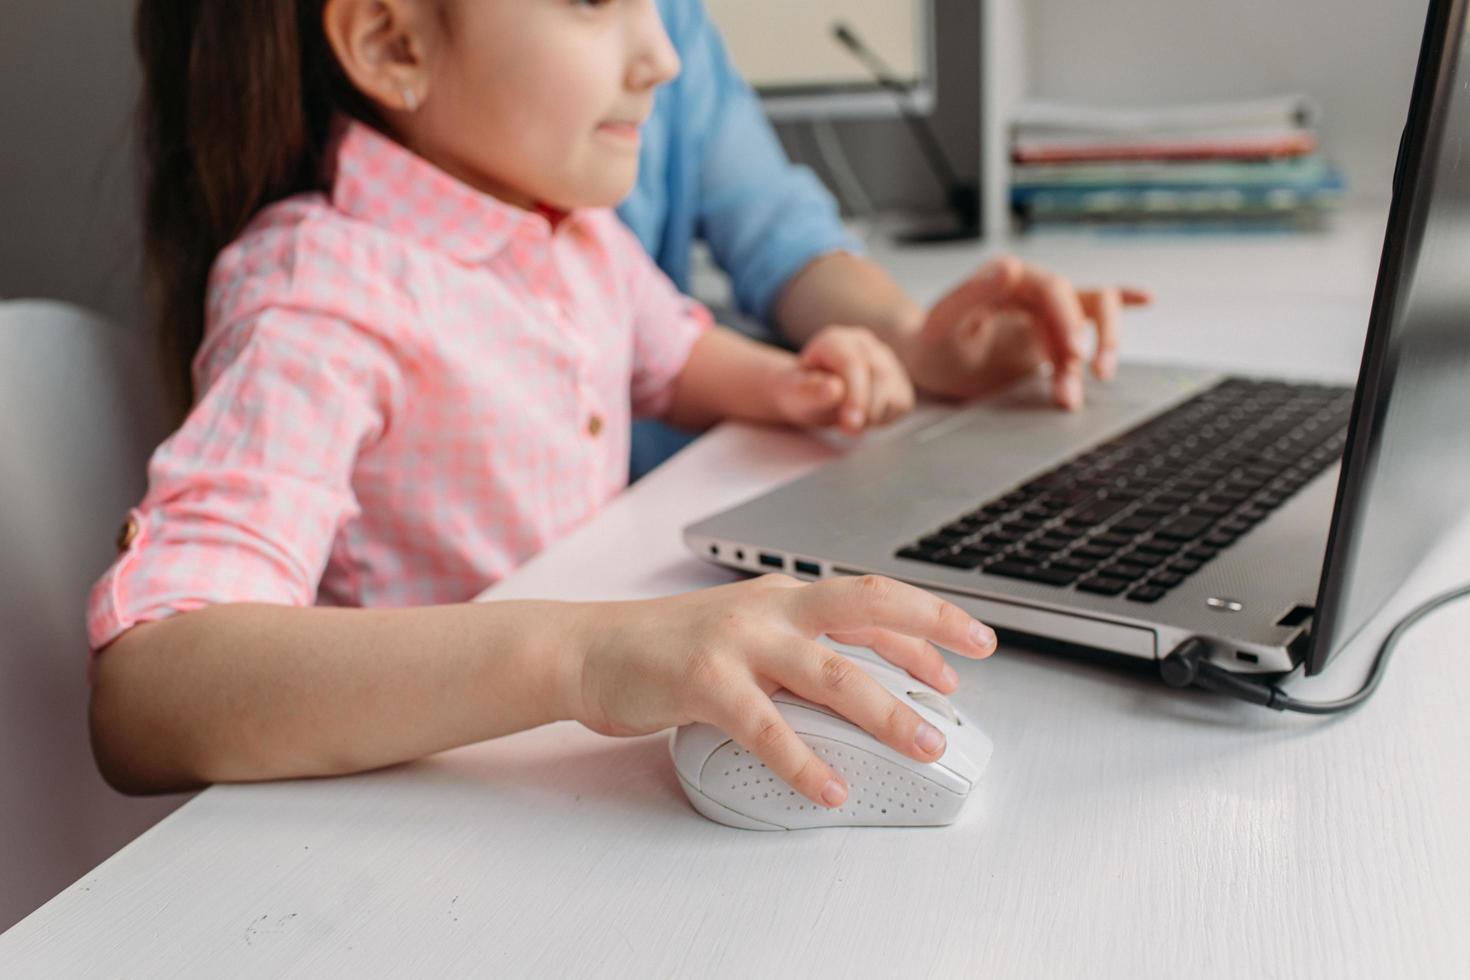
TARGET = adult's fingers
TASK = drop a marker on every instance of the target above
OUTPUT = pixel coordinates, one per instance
(991, 284)
(850, 603)
(1105, 308)
(1061, 319)
(750, 718)
(824, 676)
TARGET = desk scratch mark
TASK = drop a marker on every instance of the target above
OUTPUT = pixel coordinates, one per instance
(256, 928)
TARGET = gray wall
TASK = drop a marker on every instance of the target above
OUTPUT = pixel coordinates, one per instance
(67, 90)
(1356, 57)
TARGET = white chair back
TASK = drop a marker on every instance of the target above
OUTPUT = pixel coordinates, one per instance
(80, 411)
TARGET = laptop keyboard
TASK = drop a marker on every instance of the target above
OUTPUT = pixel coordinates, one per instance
(1139, 514)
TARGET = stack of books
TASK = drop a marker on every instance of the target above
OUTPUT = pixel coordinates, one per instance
(1227, 165)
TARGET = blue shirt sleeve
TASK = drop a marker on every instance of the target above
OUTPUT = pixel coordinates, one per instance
(713, 168)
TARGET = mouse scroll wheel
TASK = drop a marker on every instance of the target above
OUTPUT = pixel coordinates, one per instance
(936, 704)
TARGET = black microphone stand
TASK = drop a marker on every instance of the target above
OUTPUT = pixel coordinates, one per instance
(961, 196)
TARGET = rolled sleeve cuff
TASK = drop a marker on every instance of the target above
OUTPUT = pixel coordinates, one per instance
(786, 251)
(653, 387)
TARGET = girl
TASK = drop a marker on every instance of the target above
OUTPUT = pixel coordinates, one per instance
(377, 229)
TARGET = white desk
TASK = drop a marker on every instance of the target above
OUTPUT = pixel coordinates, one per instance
(1121, 830)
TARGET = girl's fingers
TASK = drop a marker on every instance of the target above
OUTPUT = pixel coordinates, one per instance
(858, 373)
(919, 657)
(810, 397)
(750, 718)
(843, 351)
(850, 603)
(824, 676)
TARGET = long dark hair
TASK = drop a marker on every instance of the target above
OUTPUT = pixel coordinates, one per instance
(238, 99)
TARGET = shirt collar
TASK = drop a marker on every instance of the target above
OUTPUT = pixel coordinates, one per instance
(377, 180)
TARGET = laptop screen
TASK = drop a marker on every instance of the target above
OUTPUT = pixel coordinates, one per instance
(1406, 471)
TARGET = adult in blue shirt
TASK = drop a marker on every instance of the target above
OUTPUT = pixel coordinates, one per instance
(711, 167)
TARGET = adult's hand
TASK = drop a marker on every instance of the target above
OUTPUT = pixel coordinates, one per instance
(1006, 321)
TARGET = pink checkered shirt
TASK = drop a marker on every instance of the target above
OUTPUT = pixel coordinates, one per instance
(406, 388)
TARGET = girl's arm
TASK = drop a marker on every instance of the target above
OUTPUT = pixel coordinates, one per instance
(240, 692)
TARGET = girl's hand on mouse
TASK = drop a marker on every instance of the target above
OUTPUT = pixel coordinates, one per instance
(716, 656)
(844, 376)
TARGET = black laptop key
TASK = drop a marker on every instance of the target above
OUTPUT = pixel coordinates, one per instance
(1166, 580)
(1127, 571)
(1072, 529)
(1110, 540)
(1031, 573)
(1146, 593)
(1102, 585)
(959, 559)
(944, 539)
(1184, 528)
(1220, 539)
(1201, 552)
(1072, 496)
(1073, 565)
(1098, 512)
(1133, 525)
(1185, 566)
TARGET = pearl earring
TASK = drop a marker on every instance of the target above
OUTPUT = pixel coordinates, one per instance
(410, 100)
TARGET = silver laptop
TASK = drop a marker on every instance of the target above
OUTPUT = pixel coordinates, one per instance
(1268, 518)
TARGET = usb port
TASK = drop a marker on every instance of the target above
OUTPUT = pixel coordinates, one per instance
(772, 561)
(808, 568)
(1249, 658)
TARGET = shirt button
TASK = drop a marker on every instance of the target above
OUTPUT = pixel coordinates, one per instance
(127, 534)
(594, 425)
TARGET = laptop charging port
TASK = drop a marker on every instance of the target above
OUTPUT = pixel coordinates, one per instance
(1247, 658)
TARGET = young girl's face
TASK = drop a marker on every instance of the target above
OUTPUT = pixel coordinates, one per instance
(538, 101)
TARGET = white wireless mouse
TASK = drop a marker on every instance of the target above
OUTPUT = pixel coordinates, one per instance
(885, 789)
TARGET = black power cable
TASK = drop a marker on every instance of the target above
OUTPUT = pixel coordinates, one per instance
(1189, 664)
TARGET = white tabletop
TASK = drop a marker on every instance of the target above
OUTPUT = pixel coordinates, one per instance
(1121, 829)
